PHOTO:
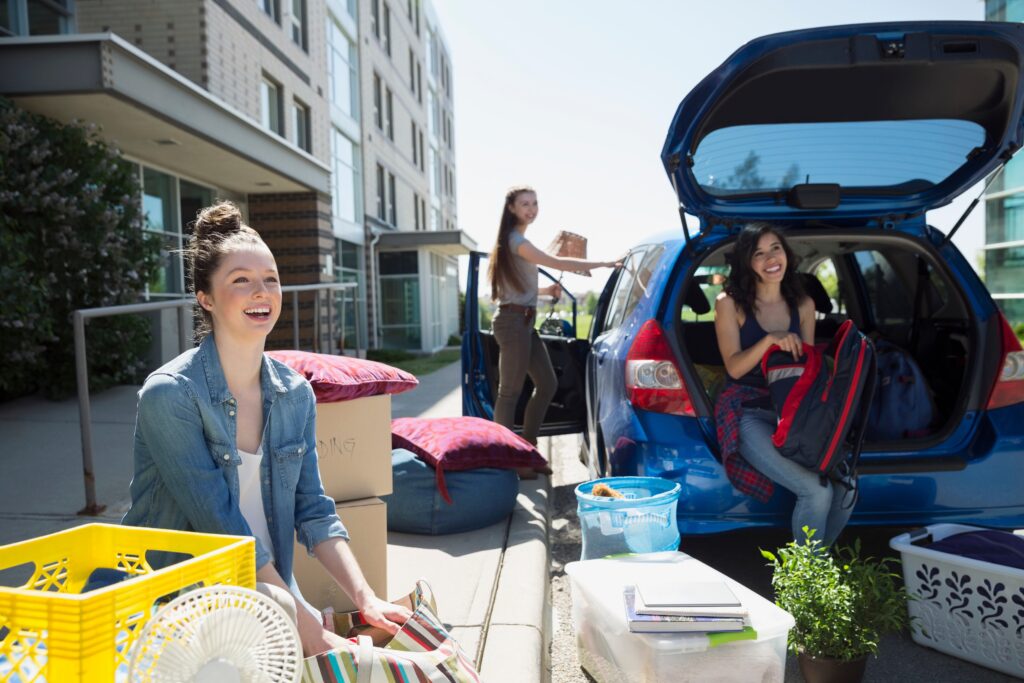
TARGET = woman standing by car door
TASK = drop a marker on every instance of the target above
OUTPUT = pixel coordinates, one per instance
(764, 305)
(512, 272)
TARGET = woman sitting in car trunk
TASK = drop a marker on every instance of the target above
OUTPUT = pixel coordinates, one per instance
(763, 304)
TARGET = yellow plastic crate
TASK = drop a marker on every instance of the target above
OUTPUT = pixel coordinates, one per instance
(50, 632)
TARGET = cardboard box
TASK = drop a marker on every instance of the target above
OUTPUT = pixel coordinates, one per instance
(353, 443)
(367, 524)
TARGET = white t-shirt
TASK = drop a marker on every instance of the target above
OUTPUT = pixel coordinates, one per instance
(250, 497)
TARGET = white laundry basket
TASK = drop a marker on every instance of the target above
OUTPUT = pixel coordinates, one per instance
(967, 608)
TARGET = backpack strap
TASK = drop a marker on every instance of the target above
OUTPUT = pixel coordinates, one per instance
(859, 428)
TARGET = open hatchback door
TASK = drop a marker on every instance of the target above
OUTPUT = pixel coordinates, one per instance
(867, 121)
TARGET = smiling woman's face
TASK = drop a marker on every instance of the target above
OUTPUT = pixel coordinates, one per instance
(245, 296)
(769, 259)
(524, 207)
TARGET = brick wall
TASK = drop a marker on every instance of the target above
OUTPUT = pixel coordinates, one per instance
(173, 33)
(297, 228)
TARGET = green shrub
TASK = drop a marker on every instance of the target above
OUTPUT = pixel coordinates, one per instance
(454, 340)
(843, 604)
(70, 237)
(388, 355)
(1018, 330)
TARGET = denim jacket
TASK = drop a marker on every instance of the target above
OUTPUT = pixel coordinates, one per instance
(186, 457)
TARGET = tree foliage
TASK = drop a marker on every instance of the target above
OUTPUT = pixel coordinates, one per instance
(70, 237)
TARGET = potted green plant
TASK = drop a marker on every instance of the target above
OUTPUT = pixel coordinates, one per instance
(842, 604)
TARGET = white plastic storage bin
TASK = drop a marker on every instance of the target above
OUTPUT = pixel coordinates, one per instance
(610, 653)
(967, 608)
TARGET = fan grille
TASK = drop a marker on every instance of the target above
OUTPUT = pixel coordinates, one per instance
(235, 627)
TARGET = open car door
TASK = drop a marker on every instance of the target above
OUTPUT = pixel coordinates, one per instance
(567, 412)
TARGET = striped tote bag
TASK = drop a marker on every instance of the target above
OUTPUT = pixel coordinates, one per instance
(422, 651)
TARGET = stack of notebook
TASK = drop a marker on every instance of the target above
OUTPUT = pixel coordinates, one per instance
(681, 607)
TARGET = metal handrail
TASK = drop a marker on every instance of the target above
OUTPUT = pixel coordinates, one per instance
(83, 315)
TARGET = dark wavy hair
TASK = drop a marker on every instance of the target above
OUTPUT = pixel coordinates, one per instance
(501, 270)
(741, 284)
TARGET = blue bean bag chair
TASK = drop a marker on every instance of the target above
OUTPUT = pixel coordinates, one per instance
(480, 497)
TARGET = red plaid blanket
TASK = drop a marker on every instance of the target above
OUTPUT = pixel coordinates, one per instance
(728, 411)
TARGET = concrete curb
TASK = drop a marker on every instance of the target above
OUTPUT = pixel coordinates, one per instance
(519, 628)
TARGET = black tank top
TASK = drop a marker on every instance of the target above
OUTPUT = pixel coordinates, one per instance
(751, 332)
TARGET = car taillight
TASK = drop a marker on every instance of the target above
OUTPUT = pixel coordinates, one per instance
(652, 379)
(1009, 385)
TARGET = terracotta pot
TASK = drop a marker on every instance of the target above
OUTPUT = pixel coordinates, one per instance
(829, 670)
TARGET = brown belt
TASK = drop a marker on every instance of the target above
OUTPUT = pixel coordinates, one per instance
(525, 311)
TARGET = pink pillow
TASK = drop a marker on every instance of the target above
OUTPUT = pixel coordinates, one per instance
(462, 443)
(341, 378)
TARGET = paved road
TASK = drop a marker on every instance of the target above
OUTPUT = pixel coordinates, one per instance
(737, 555)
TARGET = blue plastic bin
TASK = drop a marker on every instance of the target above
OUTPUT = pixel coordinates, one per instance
(644, 521)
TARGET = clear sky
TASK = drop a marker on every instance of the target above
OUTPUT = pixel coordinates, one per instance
(574, 97)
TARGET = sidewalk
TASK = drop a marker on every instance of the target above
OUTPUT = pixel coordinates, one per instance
(491, 584)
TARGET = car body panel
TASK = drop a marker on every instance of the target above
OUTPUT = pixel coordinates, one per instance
(944, 72)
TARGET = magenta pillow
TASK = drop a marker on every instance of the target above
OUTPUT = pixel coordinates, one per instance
(341, 378)
(462, 443)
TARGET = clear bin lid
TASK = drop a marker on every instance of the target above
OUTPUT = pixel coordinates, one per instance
(599, 584)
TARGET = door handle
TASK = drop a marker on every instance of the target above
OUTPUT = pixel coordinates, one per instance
(601, 356)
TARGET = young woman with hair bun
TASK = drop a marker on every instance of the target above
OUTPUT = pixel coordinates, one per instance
(225, 439)
(512, 272)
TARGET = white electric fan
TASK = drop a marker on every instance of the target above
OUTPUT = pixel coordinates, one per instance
(220, 634)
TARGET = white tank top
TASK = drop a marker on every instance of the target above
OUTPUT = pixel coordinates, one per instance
(250, 497)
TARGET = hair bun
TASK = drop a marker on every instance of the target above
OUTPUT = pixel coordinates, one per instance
(222, 218)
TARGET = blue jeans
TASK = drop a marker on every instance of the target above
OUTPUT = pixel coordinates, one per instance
(823, 508)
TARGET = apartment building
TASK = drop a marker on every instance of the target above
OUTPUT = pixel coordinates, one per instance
(258, 101)
(412, 233)
(1004, 210)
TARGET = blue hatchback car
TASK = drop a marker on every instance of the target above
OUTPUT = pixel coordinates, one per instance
(845, 136)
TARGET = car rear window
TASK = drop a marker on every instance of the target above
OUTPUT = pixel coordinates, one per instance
(901, 157)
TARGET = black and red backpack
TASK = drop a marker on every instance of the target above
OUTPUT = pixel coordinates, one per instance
(823, 399)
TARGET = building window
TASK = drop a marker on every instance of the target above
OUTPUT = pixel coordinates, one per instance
(399, 299)
(435, 219)
(272, 9)
(423, 212)
(347, 269)
(432, 53)
(35, 17)
(417, 18)
(423, 166)
(169, 206)
(435, 173)
(298, 23)
(386, 35)
(342, 66)
(416, 211)
(389, 114)
(392, 207)
(300, 126)
(378, 105)
(408, 9)
(432, 113)
(345, 172)
(415, 148)
(412, 70)
(419, 82)
(271, 105)
(381, 195)
(375, 18)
